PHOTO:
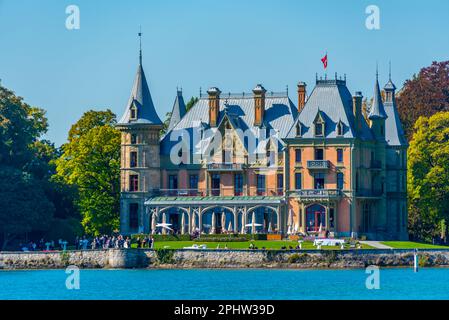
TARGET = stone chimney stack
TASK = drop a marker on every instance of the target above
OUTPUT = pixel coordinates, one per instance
(357, 110)
(301, 95)
(214, 105)
(259, 104)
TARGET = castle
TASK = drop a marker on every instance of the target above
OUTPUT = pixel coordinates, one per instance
(255, 162)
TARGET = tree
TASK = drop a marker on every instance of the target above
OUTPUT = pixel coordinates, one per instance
(91, 162)
(20, 126)
(428, 175)
(191, 103)
(91, 119)
(424, 95)
(24, 206)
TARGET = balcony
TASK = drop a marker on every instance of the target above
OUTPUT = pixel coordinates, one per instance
(224, 166)
(220, 192)
(318, 164)
(317, 193)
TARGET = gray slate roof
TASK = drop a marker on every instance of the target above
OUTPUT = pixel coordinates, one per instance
(394, 134)
(377, 110)
(332, 99)
(141, 98)
(178, 110)
(280, 113)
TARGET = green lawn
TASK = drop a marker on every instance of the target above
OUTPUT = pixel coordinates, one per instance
(241, 245)
(412, 245)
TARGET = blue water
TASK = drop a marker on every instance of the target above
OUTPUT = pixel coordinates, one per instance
(226, 284)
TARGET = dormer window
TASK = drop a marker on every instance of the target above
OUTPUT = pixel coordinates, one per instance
(298, 130)
(319, 129)
(319, 125)
(340, 128)
(133, 115)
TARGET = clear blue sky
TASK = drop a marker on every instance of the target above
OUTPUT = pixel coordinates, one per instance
(230, 44)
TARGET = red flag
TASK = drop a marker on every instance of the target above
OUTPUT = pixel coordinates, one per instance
(324, 61)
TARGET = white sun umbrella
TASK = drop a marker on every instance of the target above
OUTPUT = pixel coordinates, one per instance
(230, 227)
(289, 230)
(183, 224)
(223, 221)
(321, 228)
(212, 230)
(153, 224)
(270, 229)
(164, 221)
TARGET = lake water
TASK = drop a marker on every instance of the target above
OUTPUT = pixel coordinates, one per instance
(428, 283)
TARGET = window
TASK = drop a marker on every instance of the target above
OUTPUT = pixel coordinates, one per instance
(339, 155)
(173, 182)
(133, 138)
(298, 181)
(280, 183)
(340, 129)
(238, 184)
(319, 129)
(133, 115)
(133, 216)
(133, 159)
(260, 184)
(340, 180)
(319, 154)
(298, 155)
(133, 182)
(319, 181)
(193, 181)
(298, 130)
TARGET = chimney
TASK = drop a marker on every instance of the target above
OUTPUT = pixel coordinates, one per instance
(357, 110)
(259, 104)
(214, 105)
(301, 95)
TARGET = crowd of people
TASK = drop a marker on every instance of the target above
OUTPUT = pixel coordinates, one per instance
(102, 242)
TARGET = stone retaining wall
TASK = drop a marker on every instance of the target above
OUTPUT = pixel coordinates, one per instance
(146, 258)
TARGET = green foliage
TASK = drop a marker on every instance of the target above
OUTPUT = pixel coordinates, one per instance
(161, 237)
(24, 206)
(428, 176)
(165, 256)
(191, 103)
(91, 162)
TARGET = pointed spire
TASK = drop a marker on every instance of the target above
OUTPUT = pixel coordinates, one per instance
(140, 99)
(178, 110)
(140, 45)
(377, 109)
(390, 85)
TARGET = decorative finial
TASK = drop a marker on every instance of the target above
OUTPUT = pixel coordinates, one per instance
(140, 44)
(200, 92)
(389, 70)
(377, 71)
(286, 89)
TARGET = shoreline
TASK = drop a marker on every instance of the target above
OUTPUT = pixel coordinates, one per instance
(232, 259)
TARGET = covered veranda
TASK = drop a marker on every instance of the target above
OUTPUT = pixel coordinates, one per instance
(215, 214)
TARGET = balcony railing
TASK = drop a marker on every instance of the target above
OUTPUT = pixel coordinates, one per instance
(223, 192)
(318, 193)
(317, 164)
(224, 166)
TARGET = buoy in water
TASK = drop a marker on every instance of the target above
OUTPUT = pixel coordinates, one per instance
(415, 261)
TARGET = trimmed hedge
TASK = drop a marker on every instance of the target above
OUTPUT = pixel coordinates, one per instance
(161, 237)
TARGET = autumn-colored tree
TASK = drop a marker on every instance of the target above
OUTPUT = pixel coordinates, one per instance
(428, 176)
(424, 95)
